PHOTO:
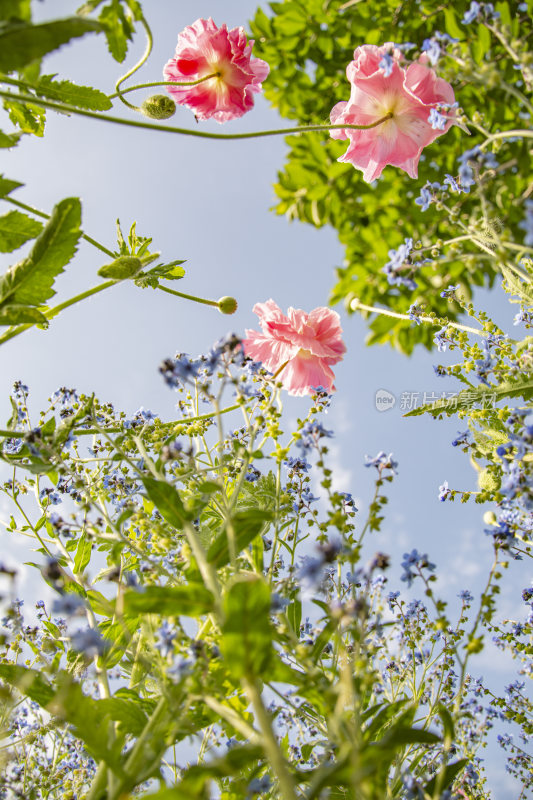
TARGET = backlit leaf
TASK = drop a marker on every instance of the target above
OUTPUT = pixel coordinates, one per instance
(17, 228)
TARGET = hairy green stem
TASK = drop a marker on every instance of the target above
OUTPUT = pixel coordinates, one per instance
(189, 296)
(12, 332)
(43, 215)
(270, 743)
(356, 305)
(5, 434)
(521, 132)
(138, 65)
(160, 83)
(66, 109)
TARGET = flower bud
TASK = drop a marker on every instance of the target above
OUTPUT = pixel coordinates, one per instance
(121, 268)
(488, 481)
(159, 106)
(227, 305)
(489, 518)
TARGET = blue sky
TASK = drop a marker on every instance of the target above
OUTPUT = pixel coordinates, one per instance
(208, 202)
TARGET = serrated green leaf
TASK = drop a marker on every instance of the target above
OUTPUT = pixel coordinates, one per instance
(7, 186)
(486, 396)
(191, 600)
(170, 272)
(28, 117)
(17, 228)
(21, 315)
(117, 28)
(10, 139)
(71, 93)
(246, 526)
(247, 635)
(520, 288)
(21, 44)
(30, 282)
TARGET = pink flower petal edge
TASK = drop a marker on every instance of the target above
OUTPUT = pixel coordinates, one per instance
(202, 49)
(409, 93)
(304, 345)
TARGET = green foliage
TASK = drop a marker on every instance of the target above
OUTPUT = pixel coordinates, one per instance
(30, 282)
(245, 527)
(16, 229)
(72, 94)
(28, 117)
(117, 19)
(308, 46)
(17, 314)
(167, 500)
(9, 139)
(15, 10)
(200, 614)
(22, 44)
(66, 701)
(246, 632)
(134, 256)
(485, 396)
(191, 600)
(7, 186)
(121, 268)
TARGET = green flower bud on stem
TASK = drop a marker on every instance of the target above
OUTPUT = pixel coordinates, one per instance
(227, 305)
(159, 106)
(488, 481)
(121, 268)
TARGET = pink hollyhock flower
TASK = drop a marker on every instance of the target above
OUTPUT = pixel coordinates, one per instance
(305, 345)
(202, 49)
(381, 85)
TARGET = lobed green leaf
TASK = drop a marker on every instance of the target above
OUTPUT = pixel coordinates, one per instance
(23, 43)
(17, 228)
(30, 282)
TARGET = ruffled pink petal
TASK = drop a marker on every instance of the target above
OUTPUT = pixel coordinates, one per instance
(327, 326)
(271, 317)
(272, 353)
(336, 117)
(427, 87)
(304, 374)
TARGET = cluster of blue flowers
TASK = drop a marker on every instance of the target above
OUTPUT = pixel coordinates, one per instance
(433, 47)
(310, 436)
(382, 462)
(183, 369)
(398, 260)
(386, 64)
(417, 561)
(478, 12)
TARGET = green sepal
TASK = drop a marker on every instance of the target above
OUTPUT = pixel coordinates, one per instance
(121, 268)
